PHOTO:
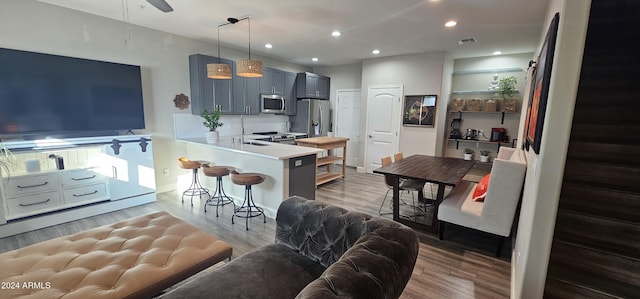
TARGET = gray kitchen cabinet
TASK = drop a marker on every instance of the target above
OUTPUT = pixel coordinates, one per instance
(290, 92)
(208, 93)
(272, 81)
(246, 94)
(312, 86)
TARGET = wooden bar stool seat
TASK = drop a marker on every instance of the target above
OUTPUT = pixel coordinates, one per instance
(195, 189)
(219, 197)
(248, 209)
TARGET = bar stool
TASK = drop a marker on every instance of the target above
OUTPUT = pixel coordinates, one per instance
(219, 197)
(195, 189)
(248, 207)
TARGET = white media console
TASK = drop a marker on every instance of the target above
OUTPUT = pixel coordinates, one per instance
(100, 175)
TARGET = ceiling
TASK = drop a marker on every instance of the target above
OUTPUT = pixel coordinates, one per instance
(301, 29)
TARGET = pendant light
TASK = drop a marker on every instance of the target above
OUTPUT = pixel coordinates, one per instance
(219, 70)
(247, 67)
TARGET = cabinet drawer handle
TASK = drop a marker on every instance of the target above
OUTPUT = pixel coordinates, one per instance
(85, 194)
(85, 178)
(32, 186)
(35, 203)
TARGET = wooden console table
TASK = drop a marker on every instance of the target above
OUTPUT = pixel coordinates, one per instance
(329, 144)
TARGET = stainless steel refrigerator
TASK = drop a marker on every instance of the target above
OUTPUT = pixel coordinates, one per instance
(312, 117)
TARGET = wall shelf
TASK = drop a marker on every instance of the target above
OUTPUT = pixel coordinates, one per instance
(477, 92)
(489, 71)
(496, 143)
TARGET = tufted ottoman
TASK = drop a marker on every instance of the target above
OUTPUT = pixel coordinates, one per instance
(135, 258)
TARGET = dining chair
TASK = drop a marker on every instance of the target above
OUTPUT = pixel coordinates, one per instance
(405, 185)
(399, 156)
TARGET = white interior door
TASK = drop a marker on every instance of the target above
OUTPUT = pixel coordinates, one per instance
(348, 122)
(383, 124)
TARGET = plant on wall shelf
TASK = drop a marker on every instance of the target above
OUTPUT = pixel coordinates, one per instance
(506, 87)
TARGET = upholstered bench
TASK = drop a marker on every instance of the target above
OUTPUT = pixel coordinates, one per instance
(135, 258)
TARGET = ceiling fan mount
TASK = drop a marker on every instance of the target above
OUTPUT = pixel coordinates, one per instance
(162, 5)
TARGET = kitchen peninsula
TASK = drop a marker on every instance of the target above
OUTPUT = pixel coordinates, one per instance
(289, 169)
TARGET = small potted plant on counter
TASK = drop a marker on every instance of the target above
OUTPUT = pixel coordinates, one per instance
(468, 153)
(484, 156)
(212, 122)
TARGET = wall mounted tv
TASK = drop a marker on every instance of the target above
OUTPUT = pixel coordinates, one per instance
(50, 95)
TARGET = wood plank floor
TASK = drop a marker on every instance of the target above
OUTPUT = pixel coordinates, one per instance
(462, 266)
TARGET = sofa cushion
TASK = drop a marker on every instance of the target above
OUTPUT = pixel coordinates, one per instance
(379, 265)
(480, 192)
(272, 271)
(322, 232)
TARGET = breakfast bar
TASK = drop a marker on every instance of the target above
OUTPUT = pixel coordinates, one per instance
(289, 169)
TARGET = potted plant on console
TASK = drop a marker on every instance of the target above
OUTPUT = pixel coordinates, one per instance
(212, 122)
(484, 156)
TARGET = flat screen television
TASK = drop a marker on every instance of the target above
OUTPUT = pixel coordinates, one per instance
(51, 95)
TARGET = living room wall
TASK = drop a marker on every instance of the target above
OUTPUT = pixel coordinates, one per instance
(34, 26)
(419, 74)
(545, 171)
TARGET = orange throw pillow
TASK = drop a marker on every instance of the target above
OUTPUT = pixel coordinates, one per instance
(481, 189)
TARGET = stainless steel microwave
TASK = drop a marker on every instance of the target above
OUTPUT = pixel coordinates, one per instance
(271, 103)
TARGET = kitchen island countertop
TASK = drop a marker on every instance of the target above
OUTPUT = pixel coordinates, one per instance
(263, 149)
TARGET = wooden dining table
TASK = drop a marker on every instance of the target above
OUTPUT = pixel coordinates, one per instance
(440, 171)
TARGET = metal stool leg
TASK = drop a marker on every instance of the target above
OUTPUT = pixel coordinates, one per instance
(219, 196)
(249, 208)
(195, 189)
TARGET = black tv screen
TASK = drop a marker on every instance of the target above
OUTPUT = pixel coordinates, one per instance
(43, 94)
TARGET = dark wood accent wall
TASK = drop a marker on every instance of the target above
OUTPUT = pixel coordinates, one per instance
(596, 244)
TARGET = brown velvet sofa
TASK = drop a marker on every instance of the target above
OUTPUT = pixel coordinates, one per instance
(320, 251)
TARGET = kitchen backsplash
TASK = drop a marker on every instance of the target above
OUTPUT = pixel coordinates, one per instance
(190, 126)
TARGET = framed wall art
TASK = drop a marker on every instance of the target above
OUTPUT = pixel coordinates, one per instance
(540, 89)
(419, 111)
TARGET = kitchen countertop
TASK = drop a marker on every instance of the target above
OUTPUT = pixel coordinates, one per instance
(270, 150)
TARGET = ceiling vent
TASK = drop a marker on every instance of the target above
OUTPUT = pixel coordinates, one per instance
(466, 40)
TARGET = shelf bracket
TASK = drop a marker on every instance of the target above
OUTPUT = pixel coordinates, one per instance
(457, 143)
(502, 120)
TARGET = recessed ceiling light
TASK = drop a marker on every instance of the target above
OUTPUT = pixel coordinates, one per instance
(314, 58)
(336, 33)
(268, 46)
(450, 24)
(497, 52)
(375, 52)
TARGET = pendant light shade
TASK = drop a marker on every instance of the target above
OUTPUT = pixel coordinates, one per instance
(249, 68)
(219, 70)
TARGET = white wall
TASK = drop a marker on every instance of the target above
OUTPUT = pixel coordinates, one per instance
(347, 76)
(545, 171)
(419, 74)
(34, 26)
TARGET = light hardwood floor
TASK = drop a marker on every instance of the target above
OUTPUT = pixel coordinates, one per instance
(461, 266)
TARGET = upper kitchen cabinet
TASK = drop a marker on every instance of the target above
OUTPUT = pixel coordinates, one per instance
(246, 92)
(313, 86)
(272, 81)
(208, 93)
(290, 92)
